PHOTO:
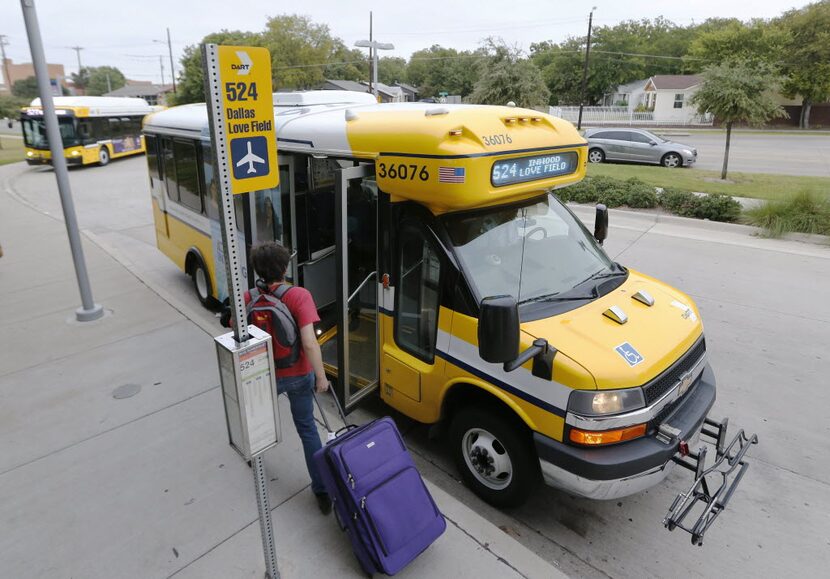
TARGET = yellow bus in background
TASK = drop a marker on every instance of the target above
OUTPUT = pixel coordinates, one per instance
(93, 129)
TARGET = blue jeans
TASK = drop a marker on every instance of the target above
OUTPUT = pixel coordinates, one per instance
(299, 390)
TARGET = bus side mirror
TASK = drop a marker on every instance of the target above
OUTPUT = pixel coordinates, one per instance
(601, 223)
(498, 329)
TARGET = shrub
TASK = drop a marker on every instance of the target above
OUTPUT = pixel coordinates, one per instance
(583, 192)
(803, 213)
(610, 191)
(683, 203)
(718, 207)
(640, 195)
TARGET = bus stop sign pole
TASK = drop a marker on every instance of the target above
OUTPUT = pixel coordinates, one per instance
(89, 310)
(240, 103)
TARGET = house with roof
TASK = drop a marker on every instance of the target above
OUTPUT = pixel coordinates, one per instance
(154, 94)
(668, 96)
(386, 93)
(410, 93)
(628, 95)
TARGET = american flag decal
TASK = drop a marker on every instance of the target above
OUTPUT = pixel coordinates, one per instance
(451, 174)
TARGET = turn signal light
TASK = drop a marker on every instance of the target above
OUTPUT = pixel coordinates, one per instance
(599, 437)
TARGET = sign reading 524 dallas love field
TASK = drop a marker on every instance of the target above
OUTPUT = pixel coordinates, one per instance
(248, 111)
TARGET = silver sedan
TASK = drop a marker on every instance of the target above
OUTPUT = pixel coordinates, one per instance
(638, 146)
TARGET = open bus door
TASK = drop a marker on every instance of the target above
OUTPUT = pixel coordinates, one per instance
(356, 263)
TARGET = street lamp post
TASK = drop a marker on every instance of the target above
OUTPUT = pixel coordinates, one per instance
(585, 69)
(374, 46)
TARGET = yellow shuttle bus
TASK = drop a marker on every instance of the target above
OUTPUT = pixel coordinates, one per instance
(93, 129)
(451, 279)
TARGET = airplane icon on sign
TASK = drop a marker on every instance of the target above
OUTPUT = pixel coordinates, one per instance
(250, 158)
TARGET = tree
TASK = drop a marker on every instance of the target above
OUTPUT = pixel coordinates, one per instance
(103, 79)
(505, 76)
(391, 69)
(753, 41)
(437, 69)
(738, 91)
(10, 106)
(25, 88)
(81, 78)
(806, 65)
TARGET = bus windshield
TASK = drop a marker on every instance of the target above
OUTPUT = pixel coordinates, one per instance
(34, 133)
(533, 251)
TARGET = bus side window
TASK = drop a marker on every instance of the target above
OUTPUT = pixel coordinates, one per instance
(210, 186)
(113, 128)
(418, 295)
(152, 156)
(187, 174)
(85, 131)
(169, 168)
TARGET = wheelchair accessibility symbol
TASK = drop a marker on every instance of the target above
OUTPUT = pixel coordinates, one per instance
(629, 354)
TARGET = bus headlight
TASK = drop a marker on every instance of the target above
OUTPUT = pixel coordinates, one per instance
(603, 402)
(29, 154)
(75, 153)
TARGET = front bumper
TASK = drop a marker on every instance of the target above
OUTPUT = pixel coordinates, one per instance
(630, 467)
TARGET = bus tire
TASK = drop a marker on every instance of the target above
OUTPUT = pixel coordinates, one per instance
(201, 281)
(103, 156)
(494, 455)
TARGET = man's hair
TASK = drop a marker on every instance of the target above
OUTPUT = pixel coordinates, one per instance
(270, 260)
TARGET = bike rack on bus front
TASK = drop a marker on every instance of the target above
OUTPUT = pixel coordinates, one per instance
(729, 465)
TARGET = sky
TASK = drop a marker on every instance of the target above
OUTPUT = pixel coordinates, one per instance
(127, 34)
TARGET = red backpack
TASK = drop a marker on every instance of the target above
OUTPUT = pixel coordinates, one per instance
(269, 313)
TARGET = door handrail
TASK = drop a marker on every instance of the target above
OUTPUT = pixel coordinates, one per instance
(363, 283)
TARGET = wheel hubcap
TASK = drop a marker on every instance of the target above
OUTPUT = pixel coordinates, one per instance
(201, 283)
(595, 157)
(672, 161)
(487, 459)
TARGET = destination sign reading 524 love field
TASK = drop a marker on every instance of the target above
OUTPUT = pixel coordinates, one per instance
(248, 106)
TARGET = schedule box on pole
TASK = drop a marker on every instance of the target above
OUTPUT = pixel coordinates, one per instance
(249, 391)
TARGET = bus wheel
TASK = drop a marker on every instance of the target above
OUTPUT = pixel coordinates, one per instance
(495, 458)
(103, 156)
(201, 282)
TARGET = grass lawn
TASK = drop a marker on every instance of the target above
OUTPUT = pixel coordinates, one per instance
(758, 185)
(12, 150)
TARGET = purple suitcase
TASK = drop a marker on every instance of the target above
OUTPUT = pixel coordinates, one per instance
(378, 495)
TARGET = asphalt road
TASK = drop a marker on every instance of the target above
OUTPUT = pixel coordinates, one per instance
(753, 152)
(767, 322)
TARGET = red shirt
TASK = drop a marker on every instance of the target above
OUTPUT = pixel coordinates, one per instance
(299, 302)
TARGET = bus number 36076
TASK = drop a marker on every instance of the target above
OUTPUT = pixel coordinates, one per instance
(402, 171)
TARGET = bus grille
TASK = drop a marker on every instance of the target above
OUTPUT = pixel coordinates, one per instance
(658, 388)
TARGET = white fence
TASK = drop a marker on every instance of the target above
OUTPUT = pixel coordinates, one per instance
(622, 116)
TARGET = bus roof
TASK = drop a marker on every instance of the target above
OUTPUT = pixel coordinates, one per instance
(464, 138)
(98, 106)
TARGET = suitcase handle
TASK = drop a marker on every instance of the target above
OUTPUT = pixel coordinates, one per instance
(331, 432)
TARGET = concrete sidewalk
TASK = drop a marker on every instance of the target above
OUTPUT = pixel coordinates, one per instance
(147, 486)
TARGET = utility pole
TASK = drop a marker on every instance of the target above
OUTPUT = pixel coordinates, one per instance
(109, 84)
(161, 66)
(371, 53)
(78, 50)
(172, 67)
(585, 69)
(89, 310)
(170, 51)
(3, 43)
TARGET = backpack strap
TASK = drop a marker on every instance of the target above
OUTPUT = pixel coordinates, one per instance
(281, 290)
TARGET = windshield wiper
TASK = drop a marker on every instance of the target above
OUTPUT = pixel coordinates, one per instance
(556, 297)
